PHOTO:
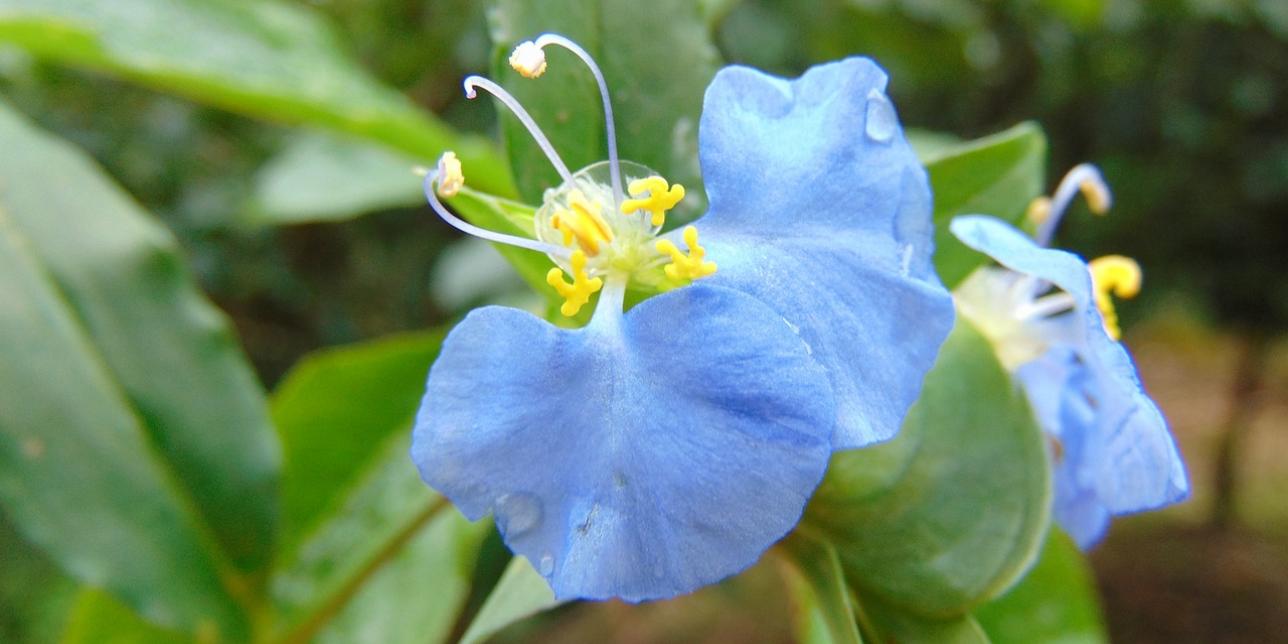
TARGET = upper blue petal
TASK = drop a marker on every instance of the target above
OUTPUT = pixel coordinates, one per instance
(820, 209)
(1128, 455)
(640, 459)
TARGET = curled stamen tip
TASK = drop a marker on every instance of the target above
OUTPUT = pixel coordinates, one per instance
(1097, 193)
(450, 177)
(529, 59)
(1039, 210)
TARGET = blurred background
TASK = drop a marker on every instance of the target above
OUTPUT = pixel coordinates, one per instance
(1182, 103)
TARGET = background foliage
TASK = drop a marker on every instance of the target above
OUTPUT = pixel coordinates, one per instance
(159, 153)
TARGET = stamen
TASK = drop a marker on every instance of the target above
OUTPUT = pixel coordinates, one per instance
(473, 82)
(450, 177)
(660, 199)
(528, 59)
(1045, 306)
(1118, 275)
(1084, 178)
(582, 220)
(686, 267)
(613, 164)
(578, 292)
(433, 187)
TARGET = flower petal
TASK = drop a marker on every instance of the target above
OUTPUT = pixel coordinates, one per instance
(1133, 459)
(820, 209)
(640, 459)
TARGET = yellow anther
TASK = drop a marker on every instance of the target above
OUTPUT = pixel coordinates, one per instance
(577, 293)
(661, 197)
(528, 59)
(581, 220)
(1116, 275)
(450, 177)
(683, 266)
(1039, 210)
(1097, 195)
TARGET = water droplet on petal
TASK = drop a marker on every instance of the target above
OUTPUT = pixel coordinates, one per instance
(547, 565)
(517, 513)
(881, 120)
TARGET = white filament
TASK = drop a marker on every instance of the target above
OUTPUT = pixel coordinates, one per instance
(614, 169)
(1065, 193)
(526, 119)
(431, 194)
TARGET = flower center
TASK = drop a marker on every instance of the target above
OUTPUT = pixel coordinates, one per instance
(587, 226)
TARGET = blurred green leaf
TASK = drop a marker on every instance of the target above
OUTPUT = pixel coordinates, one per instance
(823, 614)
(1056, 602)
(323, 177)
(950, 512)
(266, 58)
(521, 593)
(656, 103)
(98, 618)
(334, 411)
(136, 444)
(996, 175)
(378, 552)
(35, 596)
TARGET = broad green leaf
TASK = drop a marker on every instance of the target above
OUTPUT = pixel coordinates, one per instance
(656, 103)
(1056, 602)
(137, 448)
(35, 596)
(950, 512)
(896, 625)
(824, 614)
(379, 555)
(335, 410)
(98, 618)
(997, 175)
(521, 593)
(267, 58)
(323, 177)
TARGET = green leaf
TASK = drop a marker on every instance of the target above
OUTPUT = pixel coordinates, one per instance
(322, 177)
(997, 175)
(334, 411)
(823, 615)
(373, 540)
(656, 105)
(521, 593)
(35, 596)
(267, 58)
(950, 512)
(136, 448)
(98, 618)
(1056, 602)
(512, 218)
(896, 625)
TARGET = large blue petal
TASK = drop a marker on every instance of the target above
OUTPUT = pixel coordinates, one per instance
(1134, 460)
(820, 209)
(641, 458)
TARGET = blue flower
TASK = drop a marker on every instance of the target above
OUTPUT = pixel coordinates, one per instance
(1113, 452)
(660, 449)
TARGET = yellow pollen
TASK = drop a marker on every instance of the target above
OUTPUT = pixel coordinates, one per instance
(1039, 210)
(528, 59)
(581, 220)
(577, 293)
(450, 177)
(1097, 195)
(1116, 275)
(660, 199)
(686, 267)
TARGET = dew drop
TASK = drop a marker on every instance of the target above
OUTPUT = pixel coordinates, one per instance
(881, 120)
(547, 565)
(517, 513)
